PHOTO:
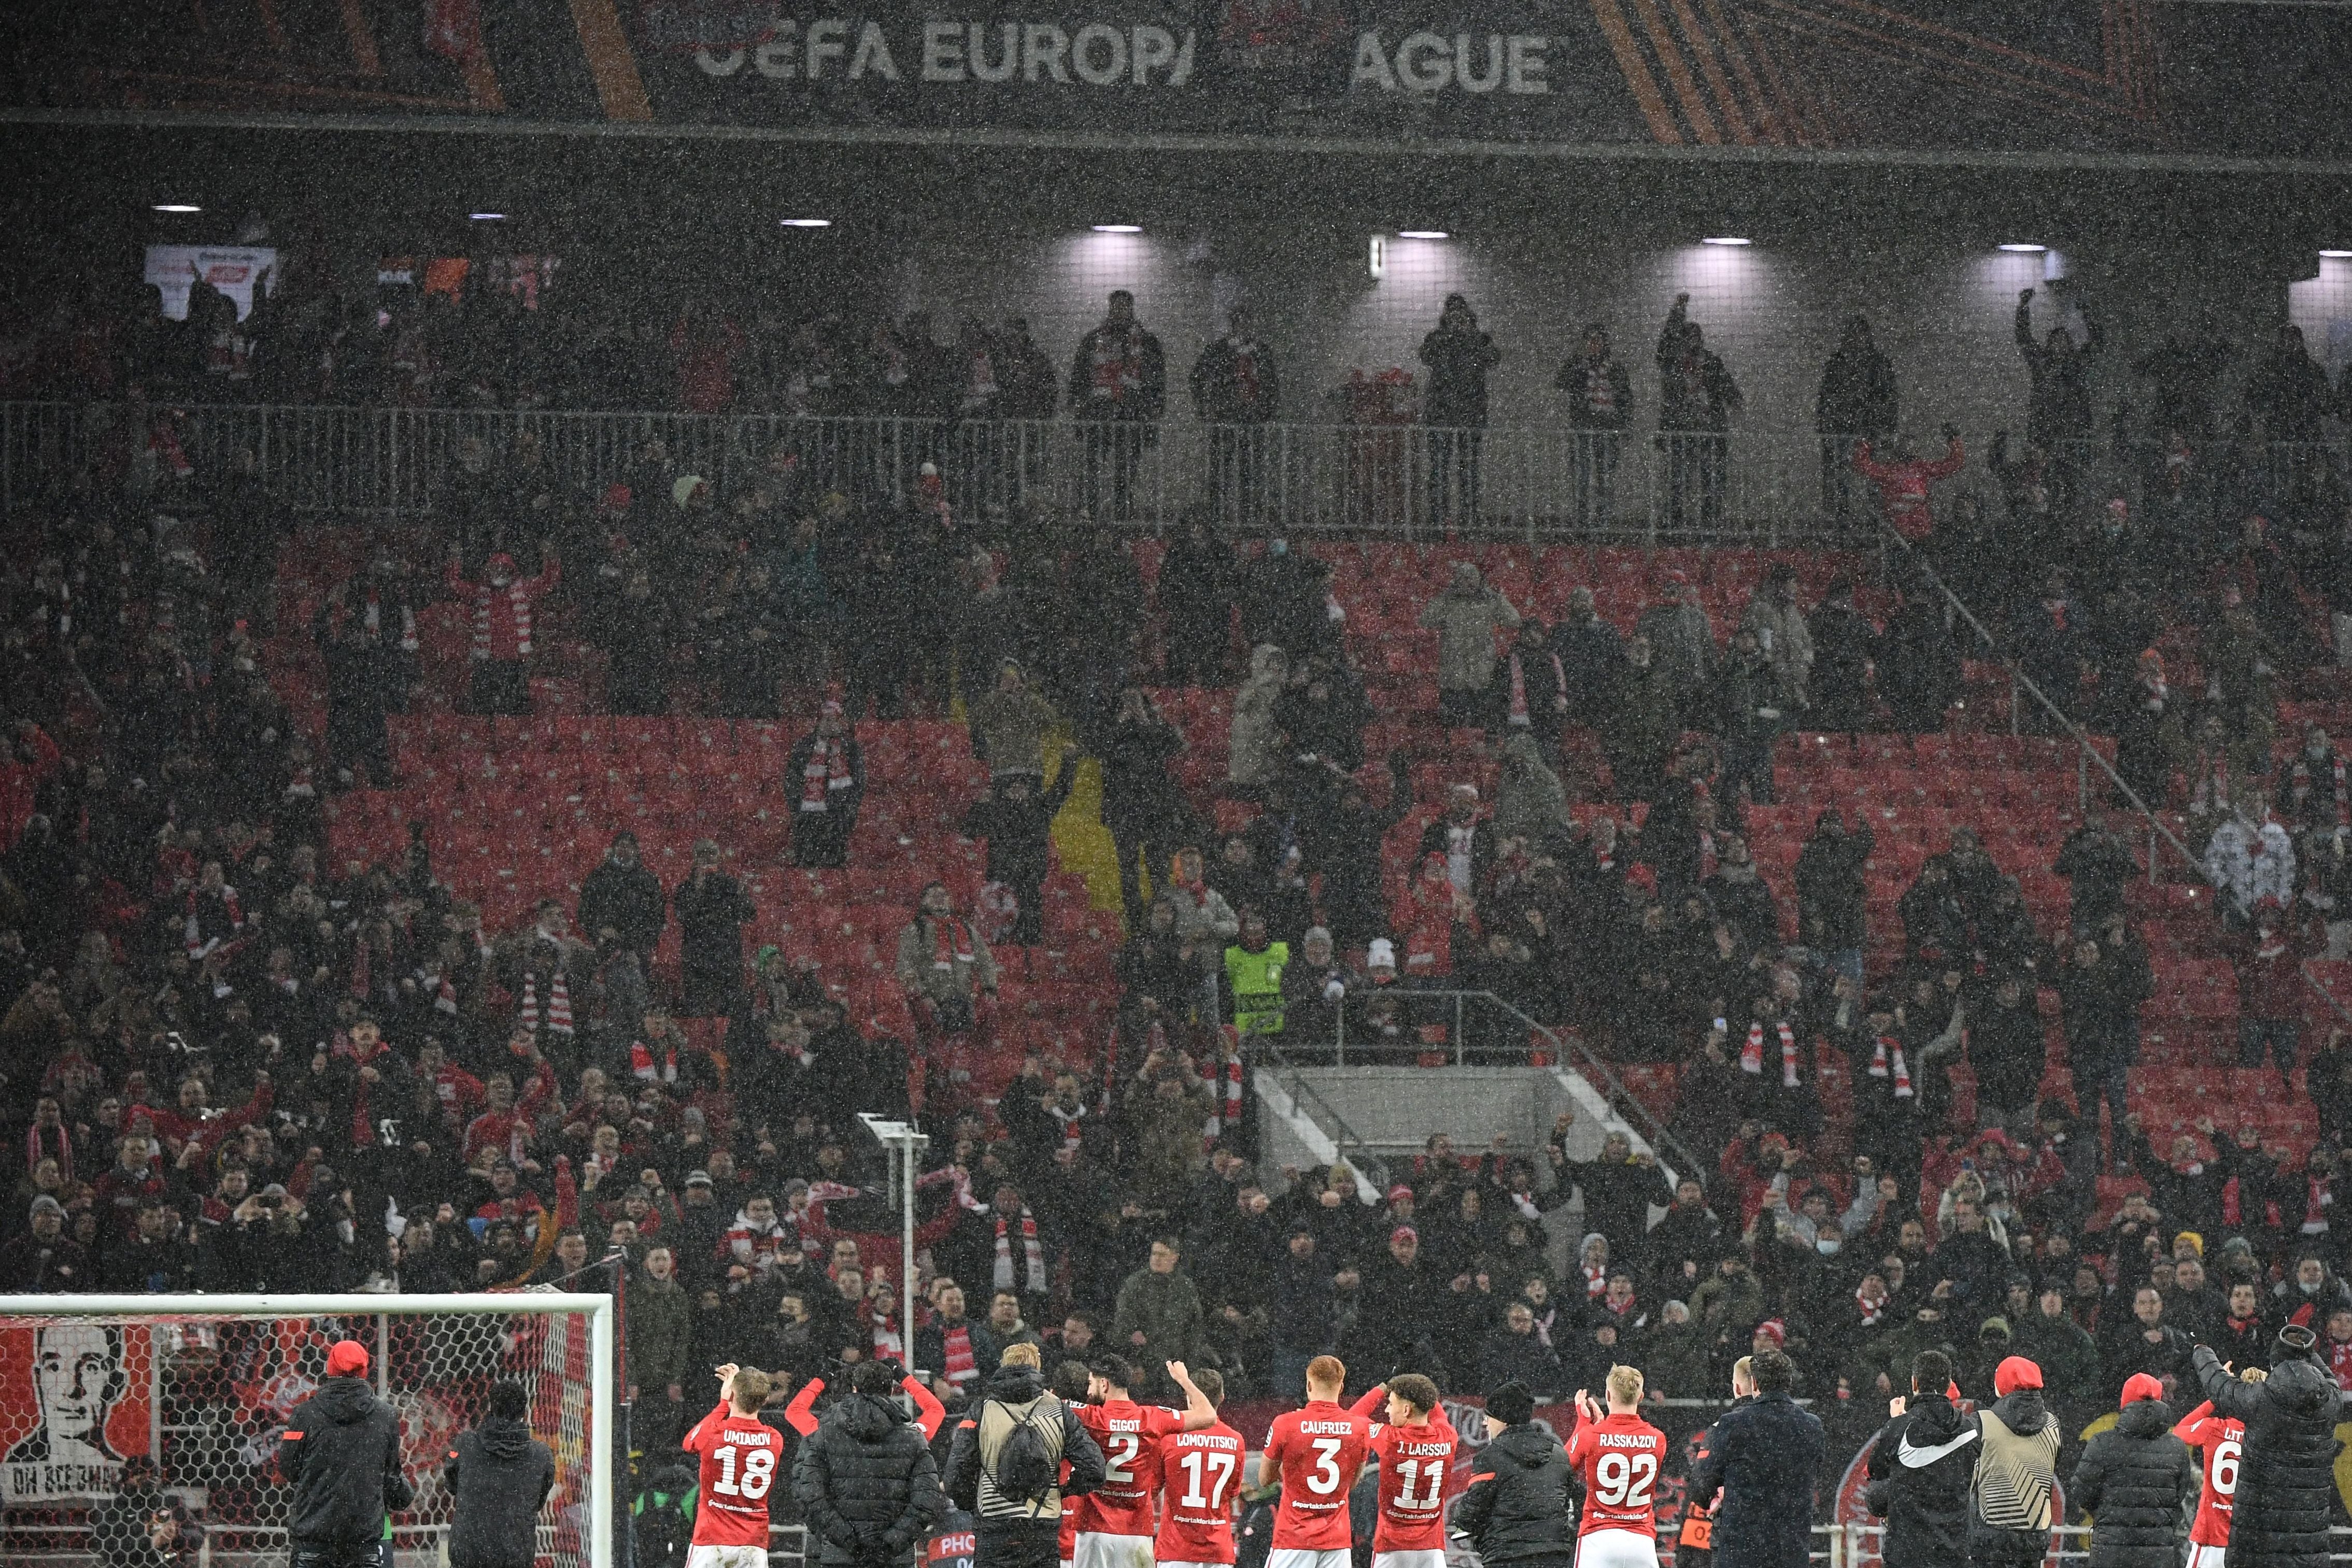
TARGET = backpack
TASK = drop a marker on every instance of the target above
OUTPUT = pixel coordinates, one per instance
(1029, 1462)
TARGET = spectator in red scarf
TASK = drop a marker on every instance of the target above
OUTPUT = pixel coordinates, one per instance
(948, 974)
(1118, 390)
(827, 777)
(503, 605)
(1903, 477)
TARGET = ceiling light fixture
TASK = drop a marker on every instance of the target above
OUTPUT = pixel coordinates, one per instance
(1422, 234)
(806, 222)
(1119, 228)
(2337, 254)
(2025, 246)
(177, 208)
(1727, 239)
(488, 217)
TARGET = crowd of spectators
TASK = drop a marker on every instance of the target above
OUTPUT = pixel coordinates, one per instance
(231, 1065)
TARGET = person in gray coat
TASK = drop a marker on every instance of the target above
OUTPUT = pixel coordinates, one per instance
(499, 1475)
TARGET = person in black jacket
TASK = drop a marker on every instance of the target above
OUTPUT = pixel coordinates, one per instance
(2286, 1480)
(622, 896)
(2134, 1478)
(500, 1476)
(1920, 1470)
(866, 1481)
(1516, 1508)
(340, 1452)
(1763, 1457)
(1016, 818)
(711, 907)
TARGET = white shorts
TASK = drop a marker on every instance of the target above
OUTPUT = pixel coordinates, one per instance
(1613, 1549)
(2206, 1556)
(726, 1557)
(1095, 1549)
(1300, 1557)
(1408, 1560)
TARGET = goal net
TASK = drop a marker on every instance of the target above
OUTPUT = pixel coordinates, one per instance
(139, 1421)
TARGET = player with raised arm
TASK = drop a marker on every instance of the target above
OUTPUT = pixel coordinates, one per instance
(1316, 1452)
(740, 1454)
(1120, 1523)
(1415, 1449)
(1619, 1458)
(2220, 1441)
(1200, 1475)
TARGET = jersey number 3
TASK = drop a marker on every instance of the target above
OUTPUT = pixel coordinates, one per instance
(759, 1472)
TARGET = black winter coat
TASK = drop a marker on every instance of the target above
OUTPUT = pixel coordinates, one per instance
(1764, 1457)
(500, 1476)
(866, 1483)
(340, 1452)
(2132, 1480)
(1515, 1506)
(1920, 1478)
(2287, 1480)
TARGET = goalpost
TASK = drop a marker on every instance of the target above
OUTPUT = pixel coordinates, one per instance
(202, 1384)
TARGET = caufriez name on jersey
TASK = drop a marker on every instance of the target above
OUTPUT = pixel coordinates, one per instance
(1343, 1427)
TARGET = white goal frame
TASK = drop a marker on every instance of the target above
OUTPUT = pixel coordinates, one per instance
(596, 1307)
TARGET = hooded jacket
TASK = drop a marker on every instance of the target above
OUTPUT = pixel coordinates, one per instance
(1530, 802)
(1018, 1385)
(1765, 1456)
(500, 1476)
(2287, 1479)
(1919, 1477)
(1516, 1505)
(1465, 617)
(340, 1452)
(2014, 1477)
(866, 1484)
(2132, 1480)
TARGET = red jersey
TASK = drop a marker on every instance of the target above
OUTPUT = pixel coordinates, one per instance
(1203, 1474)
(1319, 1451)
(1414, 1463)
(740, 1455)
(1619, 1458)
(2223, 1443)
(1129, 1435)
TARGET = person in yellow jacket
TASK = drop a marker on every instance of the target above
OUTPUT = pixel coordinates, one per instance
(1254, 968)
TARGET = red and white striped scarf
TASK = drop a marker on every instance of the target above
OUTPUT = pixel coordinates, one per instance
(1226, 1114)
(1871, 1312)
(59, 1147)
(1032, 1257)
(1519, 685)
(1596, 1280)
(1072, 1134)
(2303, 786)
(559, 1003)
(2318, 1197)
(950, 943)
(1751, 1055)
(1887, 1057)
(643, 1065)
(957, 1364)
(2213, 789)
(519, 597)
(826, 769)
(372, 618)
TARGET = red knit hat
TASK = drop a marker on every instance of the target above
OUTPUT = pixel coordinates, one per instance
(2015, 1373)
(348, 1358)
(2140, 1385)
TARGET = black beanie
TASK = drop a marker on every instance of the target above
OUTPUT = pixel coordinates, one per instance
(1511, 1404)
(2295, 1342)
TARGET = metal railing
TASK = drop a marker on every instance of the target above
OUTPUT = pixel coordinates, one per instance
(2159, 836)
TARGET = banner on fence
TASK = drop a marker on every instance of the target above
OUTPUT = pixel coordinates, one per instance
(234, 269)
(77, 1399)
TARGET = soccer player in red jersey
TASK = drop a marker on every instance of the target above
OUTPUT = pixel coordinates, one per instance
(1200, 1473)
(1416, 1449)
(1316, 1452)
(1071, 1381)
(1620, 1457)
(2221, 1441)
(1119, 1526)
(740, 1456)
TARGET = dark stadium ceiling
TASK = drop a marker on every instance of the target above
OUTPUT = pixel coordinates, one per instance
(629, 192)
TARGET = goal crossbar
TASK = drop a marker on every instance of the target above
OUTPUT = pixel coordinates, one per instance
(595, 1307)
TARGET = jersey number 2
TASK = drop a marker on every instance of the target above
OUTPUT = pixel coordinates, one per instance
(1118, 1456)
(759, 1472)
(1622, 1480)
